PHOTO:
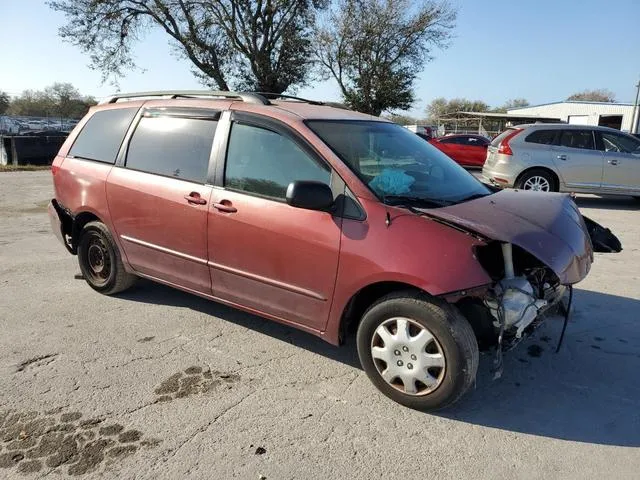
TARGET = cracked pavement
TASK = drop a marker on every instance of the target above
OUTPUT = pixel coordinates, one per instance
(156, 383)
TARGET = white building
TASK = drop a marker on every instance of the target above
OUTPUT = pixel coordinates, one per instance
(614, 115)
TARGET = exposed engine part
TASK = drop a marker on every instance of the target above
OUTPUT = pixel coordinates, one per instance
(518, 305)
(507, 254)
(514, 305)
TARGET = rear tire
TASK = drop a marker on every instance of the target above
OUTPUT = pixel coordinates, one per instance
(537, 179)
(419, 351)
(100, 261)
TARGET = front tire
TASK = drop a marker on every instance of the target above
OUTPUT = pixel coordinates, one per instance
(100, 261)
(419, 351)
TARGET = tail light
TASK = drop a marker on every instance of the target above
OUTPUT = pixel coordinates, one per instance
(56, 164)
(504, 147)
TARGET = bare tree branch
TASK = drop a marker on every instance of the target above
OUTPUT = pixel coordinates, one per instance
(375, 48)
(252, 44)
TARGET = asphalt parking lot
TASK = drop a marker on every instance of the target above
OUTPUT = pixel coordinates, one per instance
(156, 383)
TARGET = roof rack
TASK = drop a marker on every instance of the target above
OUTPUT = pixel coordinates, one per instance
(244, 96)
(275, 96)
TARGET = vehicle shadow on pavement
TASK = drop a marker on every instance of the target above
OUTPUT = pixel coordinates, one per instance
(608, 202)
(588, 392)
(150, 292)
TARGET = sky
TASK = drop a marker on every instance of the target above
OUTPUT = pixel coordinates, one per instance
(542, 50)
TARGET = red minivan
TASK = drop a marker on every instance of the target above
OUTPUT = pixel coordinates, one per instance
(320, 218)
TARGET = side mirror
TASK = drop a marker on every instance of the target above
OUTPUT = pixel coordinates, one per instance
(310, 195)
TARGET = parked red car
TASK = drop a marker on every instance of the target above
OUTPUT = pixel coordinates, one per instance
(320, 218)
(467, 150)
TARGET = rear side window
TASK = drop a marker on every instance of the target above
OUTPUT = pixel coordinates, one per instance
(454, 140)
(614, 142)
(172, 146)
(102, 135)
(475, 141)
(496, 141)
(263, 162)
(544, 137)
(577, 139)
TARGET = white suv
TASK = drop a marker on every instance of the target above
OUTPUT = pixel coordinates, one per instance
(565, 158)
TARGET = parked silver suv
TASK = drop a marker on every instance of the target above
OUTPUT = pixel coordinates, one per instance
(565, 158)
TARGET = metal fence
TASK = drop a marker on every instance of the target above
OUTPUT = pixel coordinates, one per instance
(32, 140)
(10, 125)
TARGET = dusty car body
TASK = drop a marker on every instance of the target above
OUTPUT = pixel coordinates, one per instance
(325, 238)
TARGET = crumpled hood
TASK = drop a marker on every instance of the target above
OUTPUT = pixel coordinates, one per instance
(546, 225)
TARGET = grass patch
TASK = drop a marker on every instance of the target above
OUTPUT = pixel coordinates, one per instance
(23, 168)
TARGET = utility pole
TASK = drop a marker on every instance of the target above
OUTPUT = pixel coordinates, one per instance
(634, 119)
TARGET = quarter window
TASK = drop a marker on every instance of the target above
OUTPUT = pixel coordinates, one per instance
(102, 135)
(263, 162)
(543, 137)
(577, 139)
(172, 146)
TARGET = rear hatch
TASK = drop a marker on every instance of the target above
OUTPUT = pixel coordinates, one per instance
(494, 147)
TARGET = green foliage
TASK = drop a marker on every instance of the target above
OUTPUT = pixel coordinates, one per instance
(58, 100)
(600, 95)
(512, 103)
(402, 119)
(375, 49)
(5, 101)
(443, 108)
(261, 45)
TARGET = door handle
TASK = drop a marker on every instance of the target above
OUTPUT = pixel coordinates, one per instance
(194, 197)
(562, 157)
(225, 206)
(613, 161)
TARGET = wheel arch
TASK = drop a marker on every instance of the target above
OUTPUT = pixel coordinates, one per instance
(79, 221)
(364, 298)
(555, 176)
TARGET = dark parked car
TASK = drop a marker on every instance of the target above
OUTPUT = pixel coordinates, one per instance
(319, 218)
(467, 150)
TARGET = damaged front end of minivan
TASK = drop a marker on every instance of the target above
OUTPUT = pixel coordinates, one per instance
(535, 248)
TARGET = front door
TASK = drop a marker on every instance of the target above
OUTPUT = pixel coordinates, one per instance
(622, 162)
(577, 160)
(264, 254)
(159, 199)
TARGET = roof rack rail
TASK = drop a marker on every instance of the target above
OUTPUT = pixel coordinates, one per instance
(275, 96)
(248, 97)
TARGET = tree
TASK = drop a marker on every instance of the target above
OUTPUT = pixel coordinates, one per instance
(443, 108)
(511, 104)
(60, 99)
(375, 49)
(402, 119)
(5, 101)
(261, 45)
(600, 95)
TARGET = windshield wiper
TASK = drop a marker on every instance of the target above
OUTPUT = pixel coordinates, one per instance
(412, 202)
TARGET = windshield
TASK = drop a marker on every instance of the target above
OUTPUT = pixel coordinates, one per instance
(396, 164)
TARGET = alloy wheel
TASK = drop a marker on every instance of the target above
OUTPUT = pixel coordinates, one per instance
(537, 184)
